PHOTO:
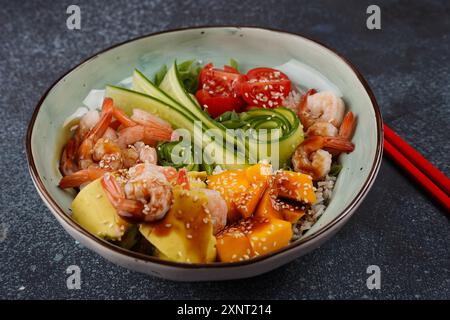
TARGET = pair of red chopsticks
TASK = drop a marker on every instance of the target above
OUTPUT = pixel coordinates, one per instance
(428, 176)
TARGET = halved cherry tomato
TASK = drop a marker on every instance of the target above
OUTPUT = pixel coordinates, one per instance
(216, 105)
(266, 74)
(265, 87)
(219, 89)
(265, 94)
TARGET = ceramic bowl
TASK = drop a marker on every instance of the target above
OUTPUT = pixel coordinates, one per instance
(251, 47)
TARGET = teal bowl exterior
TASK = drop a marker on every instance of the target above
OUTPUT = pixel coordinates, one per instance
(251, 46)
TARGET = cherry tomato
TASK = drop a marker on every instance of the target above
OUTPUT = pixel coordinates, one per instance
(265, 94)
(219, 89)
(266, 74)
(216, 105)
(265, 87)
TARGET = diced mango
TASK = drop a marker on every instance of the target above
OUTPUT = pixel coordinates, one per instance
(269, 234)
(241, 189)
(258, 176)
(266, 207)
(233, 245)
(295, 186)
(260, 172)
(292, 214)
(247, 201)
(230, 184)
(252, 237)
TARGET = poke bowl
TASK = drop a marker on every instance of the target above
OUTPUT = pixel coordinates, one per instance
(206, 153)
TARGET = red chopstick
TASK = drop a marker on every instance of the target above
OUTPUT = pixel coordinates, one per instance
(417, 159)
(416, 174)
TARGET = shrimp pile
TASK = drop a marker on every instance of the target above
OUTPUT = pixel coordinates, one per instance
(120, 150)
(109, 141)
(328, 133)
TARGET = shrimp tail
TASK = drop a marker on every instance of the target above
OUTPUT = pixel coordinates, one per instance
(107, 106)
(347, 126)
(68, 162)
(123, 118)
(78, 178)
(86, 148)
(338, 143)
(131, 210)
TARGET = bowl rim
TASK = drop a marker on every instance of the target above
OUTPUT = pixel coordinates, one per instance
(47, 198)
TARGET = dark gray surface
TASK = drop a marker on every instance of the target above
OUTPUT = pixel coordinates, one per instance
(397, 227)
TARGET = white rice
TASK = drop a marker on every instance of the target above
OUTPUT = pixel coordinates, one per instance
(292, 100)
(324, 190)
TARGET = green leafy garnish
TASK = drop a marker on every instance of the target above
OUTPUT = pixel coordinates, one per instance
(228, 115)
(164, 151)
(234, 64)
(231, 120)
(209, 168)
(335, 169)
(188, 71)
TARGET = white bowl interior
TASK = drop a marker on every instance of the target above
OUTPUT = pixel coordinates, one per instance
(251, 47)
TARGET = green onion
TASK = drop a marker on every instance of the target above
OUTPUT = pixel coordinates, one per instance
(234, 64)
(335, 169)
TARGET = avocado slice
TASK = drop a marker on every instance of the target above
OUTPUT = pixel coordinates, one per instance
(186, 232)
(92, 210)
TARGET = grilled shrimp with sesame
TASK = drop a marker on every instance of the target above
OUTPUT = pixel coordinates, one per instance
(143, 194)
(311, 158)
(322, 106)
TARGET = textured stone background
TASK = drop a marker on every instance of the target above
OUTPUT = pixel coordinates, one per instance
(397, 227)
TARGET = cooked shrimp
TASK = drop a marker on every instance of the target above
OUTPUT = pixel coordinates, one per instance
(68, 163)
(85, 150)
(321, 128)
(123, 118)
(217, 208)
(108, 154)
(148, 135)
(146, 153)
(110, 134)
(145, 195)
(323, 106)
(69, 158)
(130, 156)
(147, 119)
(310, 158)
(347, 126)
(345, 131)
(80, 177)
